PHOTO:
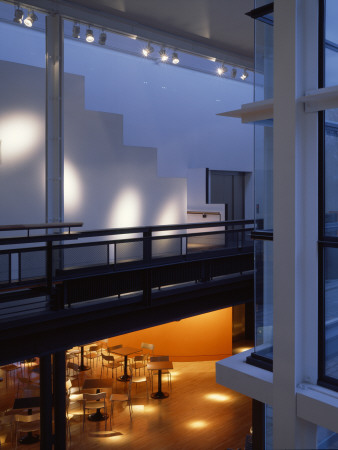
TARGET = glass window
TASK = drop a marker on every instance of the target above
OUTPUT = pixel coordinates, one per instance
(331, 312)
(263, 353)
(331, 42)
(263, 61)
(326, 439)
(264, 298)
(328, 208)
(331, 172)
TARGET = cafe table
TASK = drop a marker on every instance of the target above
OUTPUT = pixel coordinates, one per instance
(28, 403)
(159, 366)
(98, 384)
(126, 351)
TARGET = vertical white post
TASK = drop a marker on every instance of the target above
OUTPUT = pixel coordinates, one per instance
(295, 218)
(54, 119)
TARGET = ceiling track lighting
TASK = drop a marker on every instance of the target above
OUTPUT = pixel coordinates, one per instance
(147, 50)
(76, 31)
(244, 75)
(163, 55)
(102, 38)
(18, 15)
(30, 19)
(221, 70)
(90, 35)
(233, 73)
(175, 58)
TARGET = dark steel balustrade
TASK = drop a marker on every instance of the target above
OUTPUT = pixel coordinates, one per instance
(118, 262)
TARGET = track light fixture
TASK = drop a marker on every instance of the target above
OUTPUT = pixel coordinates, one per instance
(147, 50)
(233, 73)
(175, 58)
(89, 35)
(18, 15)
(221, 70)
(163, 55)
(102, 38)
(244, 75)
(30, 19)
(76, 31)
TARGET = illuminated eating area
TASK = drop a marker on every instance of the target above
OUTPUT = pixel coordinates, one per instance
(137, 389)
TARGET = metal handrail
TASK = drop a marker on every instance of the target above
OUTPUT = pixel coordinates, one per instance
(105, 232)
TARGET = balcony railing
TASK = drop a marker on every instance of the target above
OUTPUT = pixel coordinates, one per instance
(59, 265)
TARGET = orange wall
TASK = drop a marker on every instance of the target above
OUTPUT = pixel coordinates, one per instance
(201, 338)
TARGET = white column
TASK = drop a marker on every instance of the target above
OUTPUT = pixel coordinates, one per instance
(54, 118)
(295, 218)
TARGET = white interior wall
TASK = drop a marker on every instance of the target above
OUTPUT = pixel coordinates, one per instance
(118, 184)
(109, 183)
(22, 135)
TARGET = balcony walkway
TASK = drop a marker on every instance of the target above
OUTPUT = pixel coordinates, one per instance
(127, 279)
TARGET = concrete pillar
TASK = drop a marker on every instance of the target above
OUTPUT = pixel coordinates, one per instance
(295, 218)
(54, 119)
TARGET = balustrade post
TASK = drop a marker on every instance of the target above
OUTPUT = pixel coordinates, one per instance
(147, 245)
(59, 377)
(46, 402)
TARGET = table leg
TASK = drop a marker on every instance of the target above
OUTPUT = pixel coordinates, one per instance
(159, 393)
(125, 377)
(30, 438)
(98, 416)
(82, 366)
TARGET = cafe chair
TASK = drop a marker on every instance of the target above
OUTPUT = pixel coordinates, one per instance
(149, 347)
(139, 362)
(72, 397)
(71, 356)
(138, 380)
(92, 354)
(118, 358)
(108, 362)
(73, 353)
(94, 402)
(164, 372)
(6, 424)
(121, 398)
(26, 423)
(73, 371)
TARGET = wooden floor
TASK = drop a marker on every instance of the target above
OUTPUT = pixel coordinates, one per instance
(199, 414)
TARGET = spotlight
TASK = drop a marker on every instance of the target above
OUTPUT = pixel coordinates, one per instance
(175, 58)
(147, 50)
(89, 35)
(18, 15)
(163, 55)
(30, 19)
(233, 73)
(76, 31)
(244, 75)
(221, 70)
(102, 38)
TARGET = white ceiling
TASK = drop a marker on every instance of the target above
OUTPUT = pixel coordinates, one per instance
(218, 23)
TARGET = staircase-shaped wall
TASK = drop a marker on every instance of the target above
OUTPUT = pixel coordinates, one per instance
(107, 184)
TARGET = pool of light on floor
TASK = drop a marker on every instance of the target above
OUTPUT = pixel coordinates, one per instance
(198, 424)
(218, 397)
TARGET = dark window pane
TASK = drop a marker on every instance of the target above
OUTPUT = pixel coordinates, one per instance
(331, 173)
(331, 311)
